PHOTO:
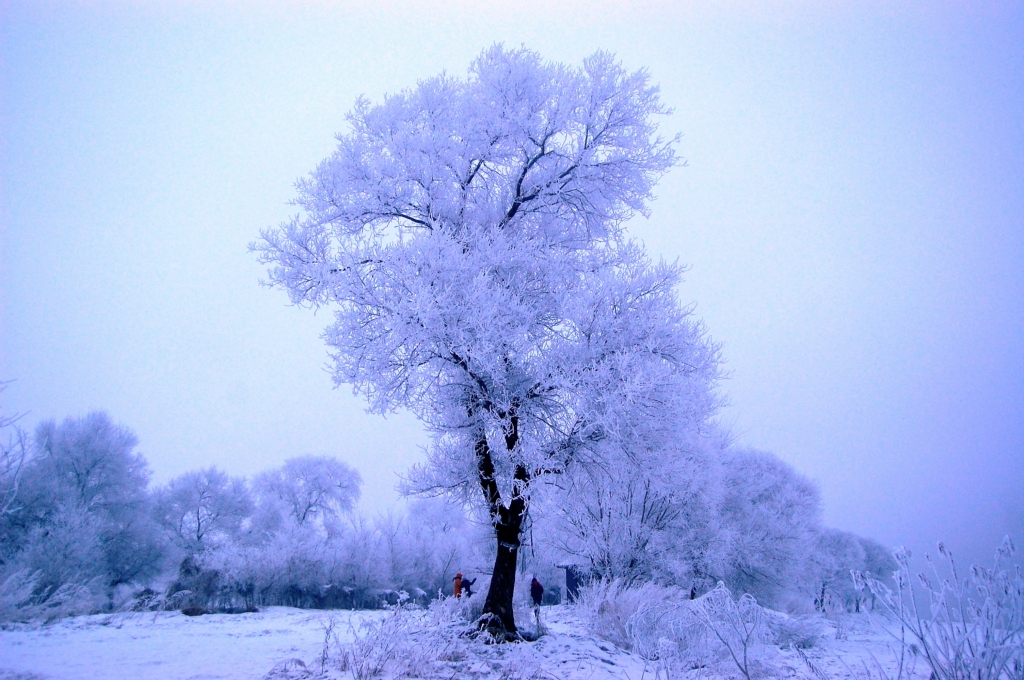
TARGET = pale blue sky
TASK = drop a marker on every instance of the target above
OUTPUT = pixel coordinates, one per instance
(852, 211)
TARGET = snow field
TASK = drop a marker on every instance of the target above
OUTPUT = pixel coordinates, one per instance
(170, 646)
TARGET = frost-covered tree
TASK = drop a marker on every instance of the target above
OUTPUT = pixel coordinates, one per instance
(94, 460)
(879, 564)
(94, 466)
(83, 512)
(426, 546)
(202, 508)
(311, 487)
(835, 555)
(468, 235)
(768, 517)
(719, 514)
(611, 523)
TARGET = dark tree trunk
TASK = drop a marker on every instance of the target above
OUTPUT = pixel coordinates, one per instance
(498, 618)
(498, 604)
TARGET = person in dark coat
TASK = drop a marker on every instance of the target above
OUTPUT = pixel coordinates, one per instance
(467, 586)
(536, 591)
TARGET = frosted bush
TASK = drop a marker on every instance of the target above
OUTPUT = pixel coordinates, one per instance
(408, 642)
(23, 599)
(145, 600)
(16, 594)
(975, 630)
(662, 623)
(289, 669)
(786, 631)
(71, 599)
(441, 641)
(668, 631)
(609, 606)
(377, 645)
(738, 625)
(454, 611)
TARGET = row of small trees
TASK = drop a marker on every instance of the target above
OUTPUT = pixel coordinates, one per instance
(740, 516)
(80, 518)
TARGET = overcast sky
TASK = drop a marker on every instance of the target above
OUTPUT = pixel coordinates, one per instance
(852, 213)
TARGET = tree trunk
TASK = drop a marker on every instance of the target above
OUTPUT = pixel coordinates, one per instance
(498, 618)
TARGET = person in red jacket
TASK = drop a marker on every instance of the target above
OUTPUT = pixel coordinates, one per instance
(458, 585)
(536, 591)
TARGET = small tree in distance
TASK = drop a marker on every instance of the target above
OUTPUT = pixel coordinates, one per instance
(201, 507)
(312, 487)
(468, 235)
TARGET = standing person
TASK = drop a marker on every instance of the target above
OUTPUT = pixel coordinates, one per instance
(537, 593)
(457, 589)
(467, 585)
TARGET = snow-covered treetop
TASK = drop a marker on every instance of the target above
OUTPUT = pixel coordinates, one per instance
(529, 149)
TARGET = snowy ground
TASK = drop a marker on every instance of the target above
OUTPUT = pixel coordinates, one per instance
(170, 646)
(163, 645)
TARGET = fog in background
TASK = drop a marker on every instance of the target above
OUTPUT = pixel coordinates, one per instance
(852, 212)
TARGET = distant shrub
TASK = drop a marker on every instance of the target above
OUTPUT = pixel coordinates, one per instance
(799, 632)
(22, 598)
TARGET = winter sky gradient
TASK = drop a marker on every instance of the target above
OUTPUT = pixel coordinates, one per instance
(852, 211)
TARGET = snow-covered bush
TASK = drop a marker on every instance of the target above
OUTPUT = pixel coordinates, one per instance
(974, 628)
(22, 598)
(737, 625)
(16, 593)
(788, 631)
(67, 548)
(407, 642)
(608, 607)
(438, 642)
(662, 623)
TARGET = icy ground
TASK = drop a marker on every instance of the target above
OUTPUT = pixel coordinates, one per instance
(170, 646)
